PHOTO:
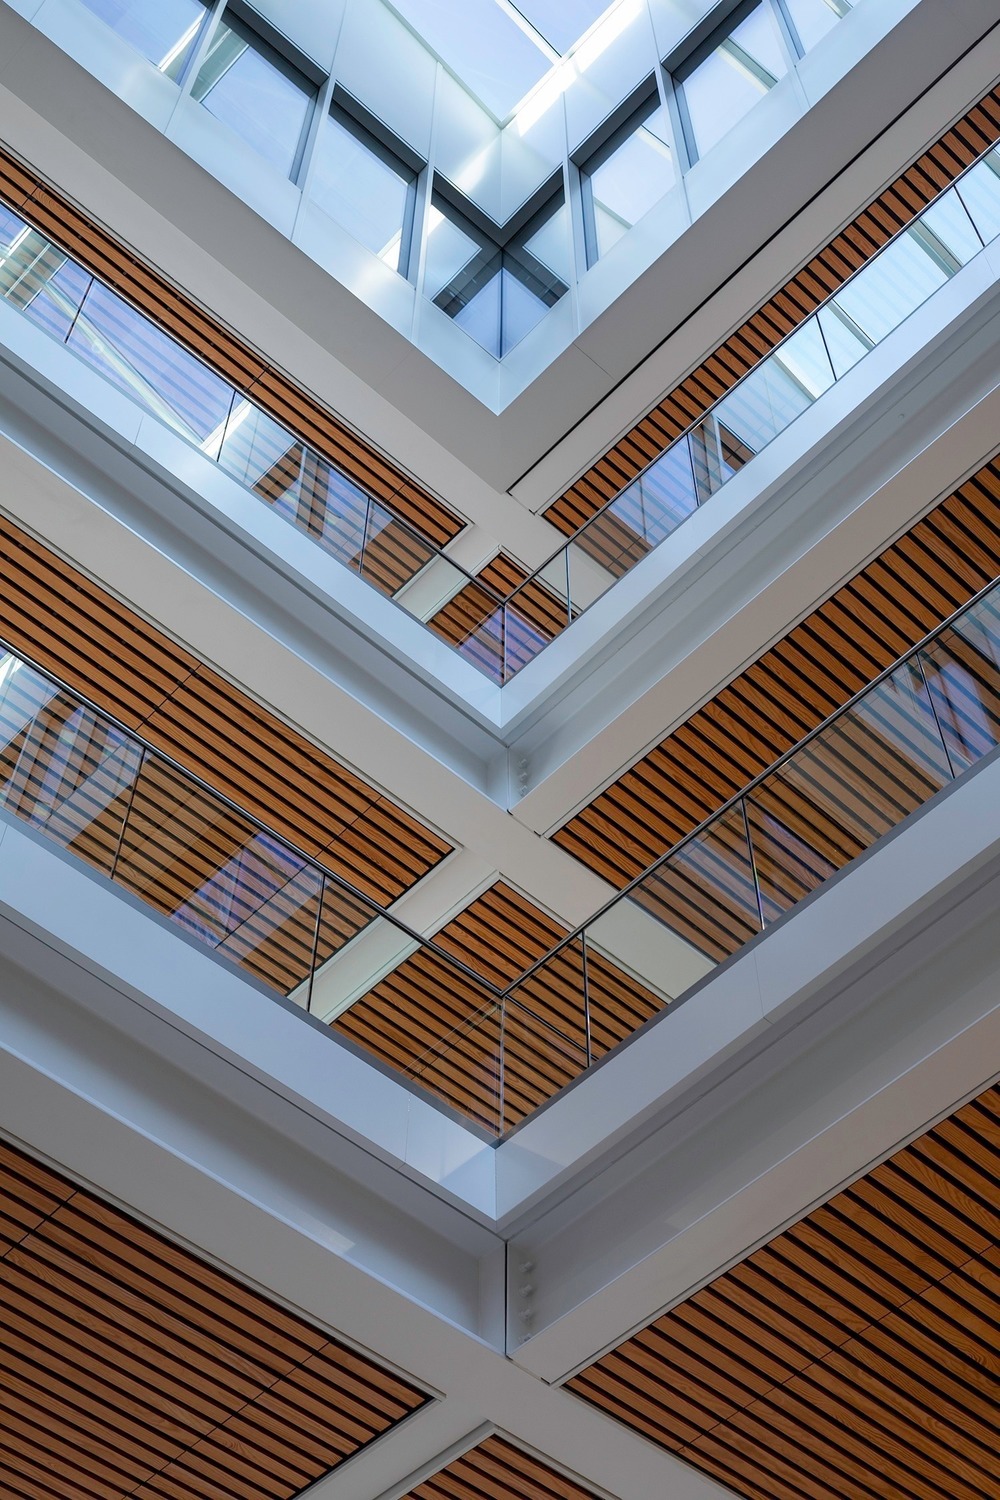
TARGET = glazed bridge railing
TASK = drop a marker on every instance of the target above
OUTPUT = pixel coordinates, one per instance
(902, 739)
(137, 818)
(880, 295)
(497, 630)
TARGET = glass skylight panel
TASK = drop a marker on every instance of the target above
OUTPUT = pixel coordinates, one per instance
(260, 96)
(627, 181)
(164, 31)
(739, 70)
(495, 294)
(365, 188)
(561, 22)
(812, 19)
(482, 44)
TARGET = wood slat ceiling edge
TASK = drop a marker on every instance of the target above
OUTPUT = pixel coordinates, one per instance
(176, 311)
(748, 343)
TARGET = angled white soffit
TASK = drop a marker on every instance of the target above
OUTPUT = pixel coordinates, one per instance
(100, 151)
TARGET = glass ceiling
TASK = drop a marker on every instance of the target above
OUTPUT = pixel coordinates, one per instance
(498, 49)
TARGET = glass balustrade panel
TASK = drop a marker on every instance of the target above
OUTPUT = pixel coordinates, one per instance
(962, 672)
(267, 459)
(151, 367)
(949, 231)
(847, 787)
(979, 191)
(468, 616)
(65, 770)
(393, 554)
(892, 286)
(538, 1061)
(217, 876)
(704, 894)
(633, 972)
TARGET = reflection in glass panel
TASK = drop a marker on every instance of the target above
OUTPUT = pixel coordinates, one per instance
(980, 192)
(720, 90)
(890, 287)
(705, 891)
(949, 231)
(770, 397)
(624, 183)
(147, 364)
(164, 31)
(850, 785)
(844, 340)
(42, 283)
(364, 188)
(962, 672)
(477, 306)
(264, 99)
(64, 768)
(264, 457)
(812, 19)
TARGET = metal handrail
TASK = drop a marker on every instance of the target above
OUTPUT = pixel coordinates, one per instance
(240, 393)
(827, 300)
(308, 861)
(751, 786)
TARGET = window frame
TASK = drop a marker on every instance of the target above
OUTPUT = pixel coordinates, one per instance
(599, 147)
(501, 248)
(369, 132)
(271, 46)
(681, 66)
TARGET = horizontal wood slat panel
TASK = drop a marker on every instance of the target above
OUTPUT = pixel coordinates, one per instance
(444, 1031)
(129, 1367)
(818, 666)
(497, 1470)
(827, 271)
(192, 326)
(855, 1354)
(102, 649)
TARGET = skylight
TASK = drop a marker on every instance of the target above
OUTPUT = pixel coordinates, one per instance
(498, 49)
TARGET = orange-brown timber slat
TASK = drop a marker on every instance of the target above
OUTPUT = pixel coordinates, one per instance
(784, 311)
(853, 1354)
(496, 1468)
(102, 649)
(174, 311)
(129, 1367)
(888, 606)
(444, 1031)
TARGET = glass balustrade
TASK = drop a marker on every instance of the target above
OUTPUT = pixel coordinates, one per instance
(493, 1054)
(879, 296)
(873, 763)
(498, 632)
(147, 364)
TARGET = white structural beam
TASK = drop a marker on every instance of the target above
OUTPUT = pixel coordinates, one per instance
(868, 1012)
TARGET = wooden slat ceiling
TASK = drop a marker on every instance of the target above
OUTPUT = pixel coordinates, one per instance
(132, 1368)
(855, 1354)
(893, 209)
(429, 1024)
(819, 665)
(497, 1470)
(176, 312)
(102, 649)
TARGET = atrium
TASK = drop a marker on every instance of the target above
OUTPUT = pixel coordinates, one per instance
(499, 707)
